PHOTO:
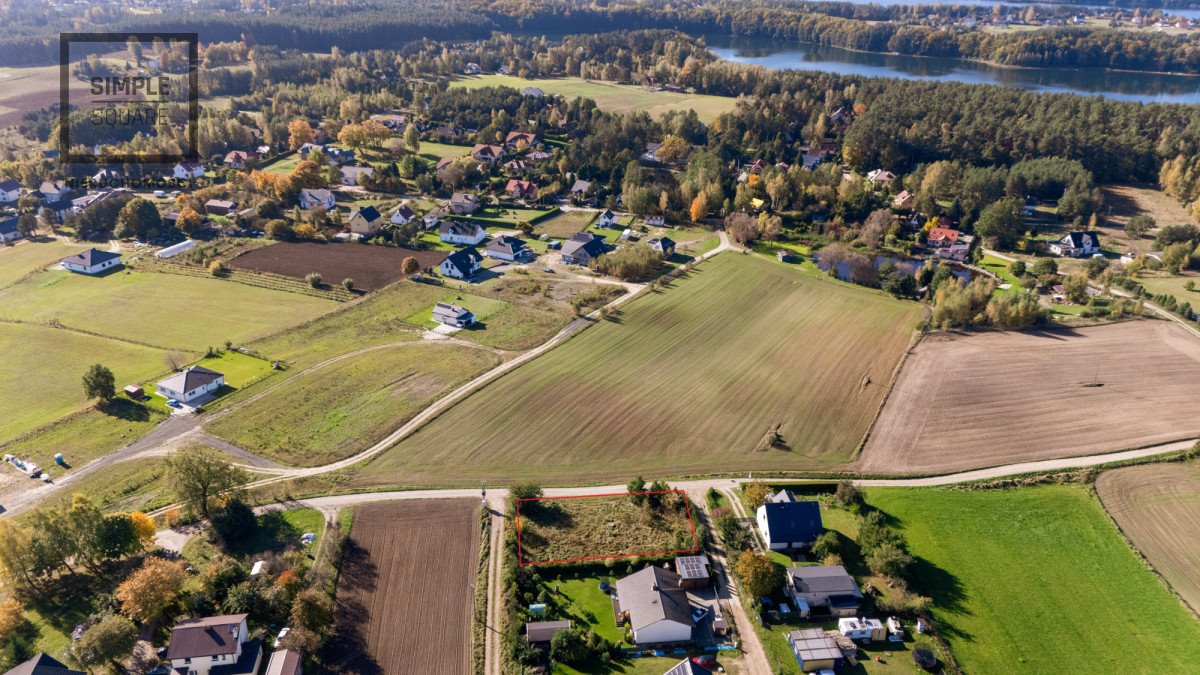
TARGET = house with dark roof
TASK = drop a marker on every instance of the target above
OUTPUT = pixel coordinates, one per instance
(190, 385)
(664, 245)
(10, 191)
(655, 606)
(823, 586)
(218, 207)
(366, 222)
(403, 215)
(541, 632)
(688, 667)
(486, 153)
(462, 264)
(43, 664)
(508, 249)
(285, 662)
(1077, 245)
(582, 248)
(216, 645)
(9, 230)
(443, 164)
(788, 523)
(463, 203)
(693, 571)
(452, 315)
(607, 219)
(91, 261)
(461, 232)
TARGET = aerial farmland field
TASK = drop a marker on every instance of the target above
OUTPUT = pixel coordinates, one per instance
(1037, 395)
(687, 379)
(371, 267)
(405, 592)
(1038, 580)
(27, 257)
(617, 98)
(1156, 505)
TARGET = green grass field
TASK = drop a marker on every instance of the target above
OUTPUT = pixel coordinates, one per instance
(619, 98)
(26, 257)
(171, 310)
(1173, 285)
(569, 223)
(86, 435)
(239, 370)
(333, 412)
(438, 151)
(481, 306)
(1038, 580)
(42, 370)
(687, 379)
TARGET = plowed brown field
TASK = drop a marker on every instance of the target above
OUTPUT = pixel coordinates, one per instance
(371, 267)
(1158, 507)
(989, 399)
(404, 599)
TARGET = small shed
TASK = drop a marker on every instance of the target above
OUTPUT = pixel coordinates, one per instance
(814, 650)
(693, 571)
(543, 631)
(134, 392)
(257, 568)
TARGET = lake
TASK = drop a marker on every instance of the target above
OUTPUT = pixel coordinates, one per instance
(1125, 86)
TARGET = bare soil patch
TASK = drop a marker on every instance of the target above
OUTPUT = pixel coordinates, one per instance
(1123, 202)
(371, 267)
(989, 399)
(404, 598)
(1158, 507)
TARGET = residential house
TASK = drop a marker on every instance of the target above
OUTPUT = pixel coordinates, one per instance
(486, 153)
(580, 188)
(788, 523)
(337, 156)
(942, 237)
(218, 207)
(541, 632)
(811, 160)
(285, 662)
(91, 261)
(188, 170)
(1077, 245)
(217, 644)
(236, 159)
(693, 571)
(508, 248)
(43, 664)
(192, 383)
(538, 156)
(521, 189)
(393, 121)
(352, 174)
(904, 200)
(463, 203)
(461, 232)
(10, 191)
(403, 215)
(80, 204)
(9, 230)
(829, 587)
(688, 667)
(607, 219)
(664, 245)
(514, 138)
(516, 165)
(107, 178)
(814, 650)
(462, 264)
(654, 221)
(54, 191)
(757, 166)
(311, 197)
(655, 606)
(366, 222)
(880, 177)
(452, 315)
(533, 91)
(443, 164)
(433, 218)
(307, 149)
(471, 69)
(651, 152)
(582, 248)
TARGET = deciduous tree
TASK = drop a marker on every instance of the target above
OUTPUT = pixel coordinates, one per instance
(299, 133)
(108, 642)
(758, 575)
(151, 589)
(99, 383)
(199, 475)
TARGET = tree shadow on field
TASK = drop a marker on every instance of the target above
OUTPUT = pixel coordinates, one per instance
(346, 651)
(124, 409)
(361, 573)
(944, 589)
(1063, 333)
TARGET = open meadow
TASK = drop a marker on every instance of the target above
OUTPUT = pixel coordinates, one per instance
(617, 98)
(27, 257)
(1157, 506)
(169, 310)
(1037, 580)
(564, 529)
(333, 412)
(567, 224)
(405, 593)
(690, 378)
(1037, 395)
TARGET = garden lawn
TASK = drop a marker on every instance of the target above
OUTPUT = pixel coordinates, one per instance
(506, 216)
(1000, 268)
(284, 165)
(688, 378)
(438, 151)
(569, 223)
(170, 310)
(619, 98)
(1039, 580)
(42, 370)
(333, 412)
(482, 307)
(30, 256)
(139, 485)
(239, 369)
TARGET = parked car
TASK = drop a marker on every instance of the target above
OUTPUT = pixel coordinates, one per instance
(706, 660)
(161, 194)
(698, 614)
(279, 638)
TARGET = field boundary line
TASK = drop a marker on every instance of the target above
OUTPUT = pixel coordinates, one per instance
(55, 324)
(913, 343)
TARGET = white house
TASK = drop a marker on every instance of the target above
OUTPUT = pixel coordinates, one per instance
(91, 261)
(10, 191)
(880, 177)
(9, 230)
(786, 523)
(654, 221)
(188, 170)
(352, 174)
(508, 249)
(433, 218)
(403, 215)
(190, 384)
(1077, 245)
(216, 643)
(54, 191)
(452, 315)
(606, 219)
(310, 197)
(655, 606)
(461, 264)
(460, 232)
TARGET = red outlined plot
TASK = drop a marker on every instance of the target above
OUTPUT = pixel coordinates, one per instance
(687, 503)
